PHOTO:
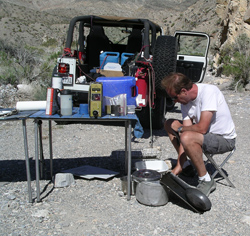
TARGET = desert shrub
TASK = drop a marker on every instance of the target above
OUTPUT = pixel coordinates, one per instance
(17, 63)
(50, 43)
(55, 55)
(7, 75)
(20, 64)
(40, 93)
(236, 61)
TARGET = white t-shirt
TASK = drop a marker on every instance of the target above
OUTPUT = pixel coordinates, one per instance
(210, 98)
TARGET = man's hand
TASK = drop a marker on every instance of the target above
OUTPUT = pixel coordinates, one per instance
(175, 125)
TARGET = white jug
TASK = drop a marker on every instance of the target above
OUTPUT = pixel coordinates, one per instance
(66, 103)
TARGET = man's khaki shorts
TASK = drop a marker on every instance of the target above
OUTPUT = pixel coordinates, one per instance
(216, 144)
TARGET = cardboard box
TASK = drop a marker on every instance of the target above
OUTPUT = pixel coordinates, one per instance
(111, 73)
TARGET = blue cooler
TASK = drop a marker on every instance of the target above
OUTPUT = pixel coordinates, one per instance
(106, 57)
(125, 56)
(113, 86)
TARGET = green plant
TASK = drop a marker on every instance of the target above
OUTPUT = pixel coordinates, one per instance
(50, 43)
(236, 61)
(8, 77)
(40, 93)
(24, 64)
(55, 55)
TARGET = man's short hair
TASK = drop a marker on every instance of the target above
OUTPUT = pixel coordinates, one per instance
(175, 82)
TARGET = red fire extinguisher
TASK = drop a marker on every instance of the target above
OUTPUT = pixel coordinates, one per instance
(82, 57)
(142, 81)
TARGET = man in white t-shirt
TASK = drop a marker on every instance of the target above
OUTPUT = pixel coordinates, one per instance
(207, 125)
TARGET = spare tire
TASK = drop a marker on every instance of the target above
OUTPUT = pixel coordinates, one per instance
(164, 60)
(157, 114)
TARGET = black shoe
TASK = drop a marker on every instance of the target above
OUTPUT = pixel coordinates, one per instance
(189, 171)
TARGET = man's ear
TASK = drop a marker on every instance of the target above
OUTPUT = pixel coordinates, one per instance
(183, 90)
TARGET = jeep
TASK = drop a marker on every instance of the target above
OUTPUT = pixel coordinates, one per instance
(138, 48)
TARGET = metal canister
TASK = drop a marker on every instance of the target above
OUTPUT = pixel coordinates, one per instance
(149, 190)
(66, 103)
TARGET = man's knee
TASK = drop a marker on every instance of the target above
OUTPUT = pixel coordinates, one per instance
(169, 124)
(185, 138)
(189, 138)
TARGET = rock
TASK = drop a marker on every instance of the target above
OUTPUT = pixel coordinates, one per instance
(11, 197)
(63, 180)
(234, 16)
(247, 16)
(41, 214)
(169, 164)
(247, 87)
(150, 152)
(246, 219)
(8, 95)
(24, 88)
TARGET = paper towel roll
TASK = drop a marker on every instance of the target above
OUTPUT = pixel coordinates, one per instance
(31, 105)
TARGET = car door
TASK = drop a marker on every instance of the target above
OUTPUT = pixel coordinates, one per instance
(192, 54)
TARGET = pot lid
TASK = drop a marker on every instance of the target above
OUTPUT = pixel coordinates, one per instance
(146, 175)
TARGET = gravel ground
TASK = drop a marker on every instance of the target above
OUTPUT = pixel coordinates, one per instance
(97, 207)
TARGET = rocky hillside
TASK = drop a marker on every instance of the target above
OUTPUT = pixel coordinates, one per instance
(37, 22)
(234, 18)
(42, 25)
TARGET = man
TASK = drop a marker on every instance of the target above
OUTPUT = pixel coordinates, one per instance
(207, 125)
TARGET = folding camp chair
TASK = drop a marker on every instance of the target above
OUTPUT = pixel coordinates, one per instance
(219, 167)
(216, 166)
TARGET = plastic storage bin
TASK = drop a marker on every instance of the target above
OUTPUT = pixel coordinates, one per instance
(106, 57)
(113, 86)
(125, 56)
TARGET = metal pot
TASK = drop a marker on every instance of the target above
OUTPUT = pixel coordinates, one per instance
(148, 189)
(124, 185)
(146, 175)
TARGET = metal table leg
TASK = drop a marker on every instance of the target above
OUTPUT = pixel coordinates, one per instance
(27, 159)
(126, 147)
(37, 161)
(41, 149)
(128, 153)
(50, 150)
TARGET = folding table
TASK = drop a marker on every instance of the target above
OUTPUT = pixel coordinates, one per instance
(128, 120)
(22, 115)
